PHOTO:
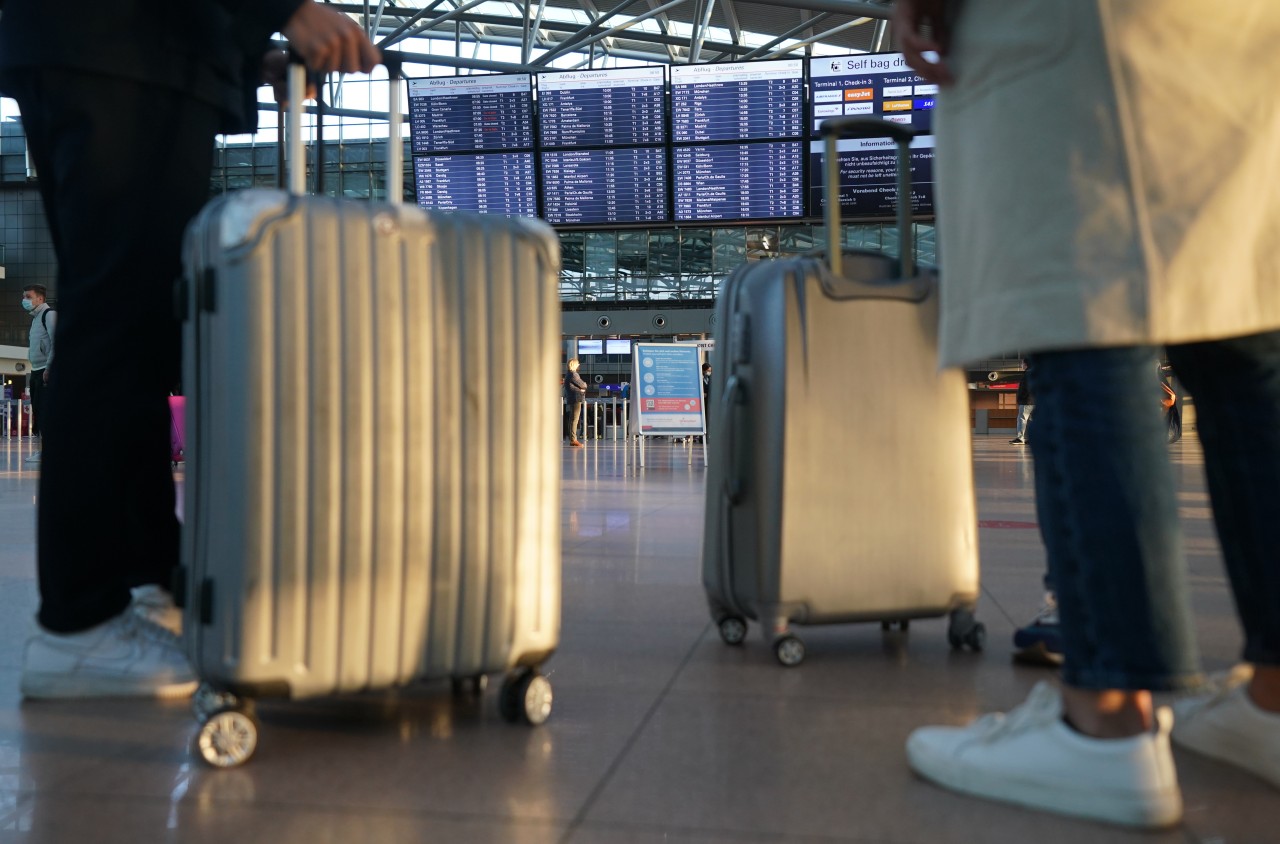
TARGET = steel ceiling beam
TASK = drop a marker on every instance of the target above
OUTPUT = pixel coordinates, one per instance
(790, 33)
(584, 33)
(576, 31)
(610, 33)
(700, 30)
(731, 18)
(836, 7)
(398, 31)
(813, 39)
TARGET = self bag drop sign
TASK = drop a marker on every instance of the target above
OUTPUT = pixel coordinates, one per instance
(666, 398)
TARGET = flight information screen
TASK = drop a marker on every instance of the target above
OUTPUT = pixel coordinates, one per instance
(737, 102)
(627, 185)
(872, 85)
(756, 181)
(869, 177)
(732, 125)
(490, 183)
(597, 108)
(471, 113)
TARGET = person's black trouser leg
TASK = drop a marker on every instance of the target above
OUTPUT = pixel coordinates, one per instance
(38, 390)
(122, 168)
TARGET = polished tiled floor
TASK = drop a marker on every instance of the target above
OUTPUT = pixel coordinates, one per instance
(660, 733)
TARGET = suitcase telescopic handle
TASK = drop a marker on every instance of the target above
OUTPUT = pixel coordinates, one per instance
(297, 171)
(839, 128)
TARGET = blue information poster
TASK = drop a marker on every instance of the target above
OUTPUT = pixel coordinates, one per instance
(666, 396)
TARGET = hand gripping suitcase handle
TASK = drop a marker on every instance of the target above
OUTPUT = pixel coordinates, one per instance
(838, 128)
(297, 171)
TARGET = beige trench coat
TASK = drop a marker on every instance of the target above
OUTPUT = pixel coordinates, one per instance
(1108, 173)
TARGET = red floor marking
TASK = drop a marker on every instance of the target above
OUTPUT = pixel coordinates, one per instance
(998, 523)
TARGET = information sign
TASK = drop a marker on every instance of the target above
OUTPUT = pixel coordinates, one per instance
(666, 398)
(874, 85)
(869, 177)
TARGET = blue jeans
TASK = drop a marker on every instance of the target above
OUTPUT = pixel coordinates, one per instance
(1024, 418)
(1108, 510)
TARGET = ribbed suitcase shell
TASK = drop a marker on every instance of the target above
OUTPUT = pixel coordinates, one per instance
(840, 485)
(372, 471)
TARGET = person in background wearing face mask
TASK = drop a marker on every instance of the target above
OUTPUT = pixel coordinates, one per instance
(40, 353)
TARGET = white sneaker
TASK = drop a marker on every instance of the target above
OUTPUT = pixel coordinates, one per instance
(1031, 758)
(155, 605)
(123, 657)
(33, 460)
(1228, 726)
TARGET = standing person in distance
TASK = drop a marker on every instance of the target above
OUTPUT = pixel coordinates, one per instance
(576, 393)
(1116, 210)
(120, 105)
(40, 354)
(1026, 406)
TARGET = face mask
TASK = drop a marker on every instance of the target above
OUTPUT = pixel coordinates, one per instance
(28, 305)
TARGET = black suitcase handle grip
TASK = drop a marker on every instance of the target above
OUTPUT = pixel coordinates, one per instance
(844, 128)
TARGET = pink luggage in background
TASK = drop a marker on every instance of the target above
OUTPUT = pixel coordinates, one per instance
(177, 428)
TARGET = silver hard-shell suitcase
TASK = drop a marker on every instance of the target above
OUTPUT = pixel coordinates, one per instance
(840, 485)
(366, 505)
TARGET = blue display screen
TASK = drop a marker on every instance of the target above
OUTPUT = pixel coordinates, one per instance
(490, 183)
(605, 186)
(756, 181)
(602, 108)
(737, 102)
(471, 113)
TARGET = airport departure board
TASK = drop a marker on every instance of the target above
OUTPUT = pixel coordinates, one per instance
(595, 186)
(598, 108)
(757, 181)
(490, 183)
(471, 113)
(474, 139)
(873, 85)
(603, 136)
(737, 131)
(737, 102)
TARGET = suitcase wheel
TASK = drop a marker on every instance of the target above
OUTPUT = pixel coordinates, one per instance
(964, 631)
(470, 688)
(903, 624)
(789, 650)
(525, 698)
(228, 737)
(733, 630)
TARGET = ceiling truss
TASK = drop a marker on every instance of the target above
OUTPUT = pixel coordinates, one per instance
(614, 28)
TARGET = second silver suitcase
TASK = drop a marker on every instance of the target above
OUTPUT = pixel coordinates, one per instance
(840, 485)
